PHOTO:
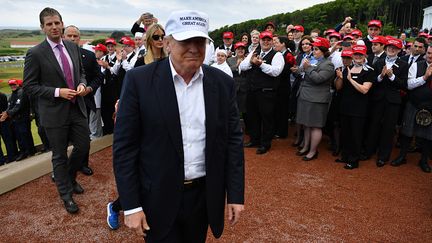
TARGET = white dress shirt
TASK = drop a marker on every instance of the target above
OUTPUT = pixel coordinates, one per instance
(190, 100)
(273, 69)
(127, 65)
(413, 81)
(389, 63)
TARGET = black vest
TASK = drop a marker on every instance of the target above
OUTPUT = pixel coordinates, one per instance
(260, 80)
(121, 74)
(421, 97)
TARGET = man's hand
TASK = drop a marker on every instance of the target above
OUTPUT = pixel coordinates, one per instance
(4, 116)
(234, 212)
(306, 63)
(339, 73)
(428, 73)
(389, 72)
(102, 63)
(81, 90)
(384, 71)
(68, 94)
(137, 221)
(118, 55)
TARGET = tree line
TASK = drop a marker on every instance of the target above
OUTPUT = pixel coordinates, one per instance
(396, 15)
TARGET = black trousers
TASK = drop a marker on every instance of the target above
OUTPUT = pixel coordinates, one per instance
(191, 223)
(107, 111)
(23, 135)
(351, 137)
(281, 112)
(424, 144)
(382, 122)
(75, 131)
(260, 113)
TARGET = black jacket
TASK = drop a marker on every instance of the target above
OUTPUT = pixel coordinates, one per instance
(18, 106)
(93, 76)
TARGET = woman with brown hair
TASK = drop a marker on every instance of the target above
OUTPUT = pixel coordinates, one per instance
(154, 45)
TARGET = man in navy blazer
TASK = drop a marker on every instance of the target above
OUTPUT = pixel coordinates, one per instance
(53, 74)
(177, 152)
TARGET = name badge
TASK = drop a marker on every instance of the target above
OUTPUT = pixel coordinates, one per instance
(354, 76)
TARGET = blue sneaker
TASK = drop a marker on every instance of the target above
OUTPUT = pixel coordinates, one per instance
(112, 217)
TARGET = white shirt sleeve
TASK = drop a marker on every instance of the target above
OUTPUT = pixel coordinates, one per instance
(246, 64)
(129, 65)
(413, 81)
(114, 69)
(276, 66)
(131, 211)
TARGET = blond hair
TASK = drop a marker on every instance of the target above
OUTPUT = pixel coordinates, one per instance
(149, 56)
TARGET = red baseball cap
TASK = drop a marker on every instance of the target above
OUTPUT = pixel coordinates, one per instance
(379, 39)
(270, 23)
(100, 47)
(376, 23)
(20, 82)
(319, 41)
(359, 49)
(348, 37)
(124, 38)
(228, 35)
(13, 82)
(346, 53)
(128, 42)
(422, 34)
(357, 33)
(110, 41)
(239, 44)
(330, 31)
(395, 42)
(299, 28)
(335, 34)
(265, 34)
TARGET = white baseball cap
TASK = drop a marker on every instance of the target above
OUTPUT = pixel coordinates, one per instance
(186, 24)
(139, 34)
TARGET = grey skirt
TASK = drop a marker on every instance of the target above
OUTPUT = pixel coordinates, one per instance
(311, 114)
(410, 127)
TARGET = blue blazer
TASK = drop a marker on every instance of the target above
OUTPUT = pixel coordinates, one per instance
(148, 147)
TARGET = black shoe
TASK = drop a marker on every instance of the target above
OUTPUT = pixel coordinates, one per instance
(21, 157)
(340, 161)
(424, 166)
(380, 163)
(77, 188)
(351, 166)
(251, 145)
(400, 160)
(86, 170)
(261, 150)
(52, 177)
(300, 153)
(315, 156)
(71, 206)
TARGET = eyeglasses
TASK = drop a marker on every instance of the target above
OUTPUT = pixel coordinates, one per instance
(157, 37)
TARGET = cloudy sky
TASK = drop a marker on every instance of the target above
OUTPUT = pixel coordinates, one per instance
(121, 14)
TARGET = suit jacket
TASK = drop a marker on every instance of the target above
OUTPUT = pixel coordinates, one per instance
(407, 57)
(371, 56)
(43, 74)
(93, 76)
(386, 89)
(317, 82)
(148, 146)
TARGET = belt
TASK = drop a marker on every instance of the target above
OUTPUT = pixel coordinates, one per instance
(193, 182)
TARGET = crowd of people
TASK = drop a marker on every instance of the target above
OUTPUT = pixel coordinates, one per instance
(368, 93)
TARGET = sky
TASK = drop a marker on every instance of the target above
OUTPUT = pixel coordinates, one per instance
(121, 14)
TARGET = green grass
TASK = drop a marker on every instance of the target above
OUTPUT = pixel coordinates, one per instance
(8, 71)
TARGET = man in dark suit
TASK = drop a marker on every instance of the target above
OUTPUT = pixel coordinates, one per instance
(93, 76)
(53, 74)
(418, 49)
(377, 44)
(177, 149)
(385, 101)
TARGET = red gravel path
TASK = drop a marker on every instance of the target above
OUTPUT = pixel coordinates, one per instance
(287, 200)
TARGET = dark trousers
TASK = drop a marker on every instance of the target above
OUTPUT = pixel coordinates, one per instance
(75, 131)
(86, 160)
(9, 140)
(107, 111)
(42, 133)
(191, 223)
(425, 145)
(282, 111)
(382, 123)
(351, 137)
(23, 135)
(116, 206)
(260, 112)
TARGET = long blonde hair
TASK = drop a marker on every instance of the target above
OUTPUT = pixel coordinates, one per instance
(149, 56)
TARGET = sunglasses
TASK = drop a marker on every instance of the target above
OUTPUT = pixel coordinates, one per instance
(157, 37)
